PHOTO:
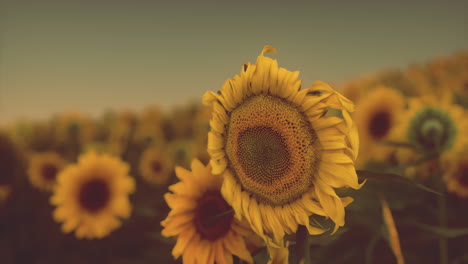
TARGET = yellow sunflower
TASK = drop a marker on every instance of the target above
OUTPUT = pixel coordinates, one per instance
(155, 167)
(149, 126)
(203, 222)
(181, 151)
(456, 177)
(43, 170)
(74, 127)
(280, 154)
(92, 195)
(375, 116)
(432, 127)
(121, 131)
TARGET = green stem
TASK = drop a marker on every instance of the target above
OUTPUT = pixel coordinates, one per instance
(443, 241)
(442, 215)
(303, 245)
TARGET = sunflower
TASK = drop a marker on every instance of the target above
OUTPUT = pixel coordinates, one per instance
(149, 126)
(155, 167)
(181, 151)
(432, 127)
(121, 131)
(456, 177)
(91, 195)
(279, 152)
(43, 170)
(376, 115)
(74, 127)
(205, 227)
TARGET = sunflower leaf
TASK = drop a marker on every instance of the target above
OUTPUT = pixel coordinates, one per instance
(391, 177)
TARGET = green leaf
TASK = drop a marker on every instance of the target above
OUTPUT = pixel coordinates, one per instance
(391, 177)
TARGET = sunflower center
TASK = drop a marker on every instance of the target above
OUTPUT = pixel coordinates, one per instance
(94, 195)
(49, 172)
(272, 149)
(156, 166)
(432, 130)
(265, 153)
(380, 124)
(212, 216)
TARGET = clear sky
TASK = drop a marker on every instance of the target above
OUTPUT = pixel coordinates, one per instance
(97, 55)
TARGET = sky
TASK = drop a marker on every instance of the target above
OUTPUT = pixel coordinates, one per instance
(94, 56)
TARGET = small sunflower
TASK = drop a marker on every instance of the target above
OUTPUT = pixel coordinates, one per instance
(456, 176)
(74, 127)
(122, 129)
(375, 116)
(433, 127)
(280, 154)
(149, 126)
(155, 167)
(43, 170)
(92, 195)
(206, 230)
(181, 151)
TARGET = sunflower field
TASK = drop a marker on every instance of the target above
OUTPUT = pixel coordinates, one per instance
(264, 169)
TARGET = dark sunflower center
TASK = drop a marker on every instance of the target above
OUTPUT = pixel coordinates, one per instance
(432, 130)
(213, 216)
(156, 166)
(49, 172)
(266, 156)
(272, 149)
(380, 124)
(94, 195)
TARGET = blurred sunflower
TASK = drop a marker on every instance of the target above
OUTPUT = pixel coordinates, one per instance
(201, 125)
(456, 176)
(91, 195)
(435, 130)
(74, 127)
(433, 127)
(43, 170)
(376, 115)
(181, 151)
(149, 126)
(203, 222)
(354, 90)
(279, 154)
(31, 136)
(121, 131)
(155, 167)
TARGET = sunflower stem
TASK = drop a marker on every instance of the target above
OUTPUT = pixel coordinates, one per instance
(303, 245)
(425, 158)
(443, 241)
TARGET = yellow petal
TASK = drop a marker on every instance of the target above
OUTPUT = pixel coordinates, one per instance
(182, 241)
